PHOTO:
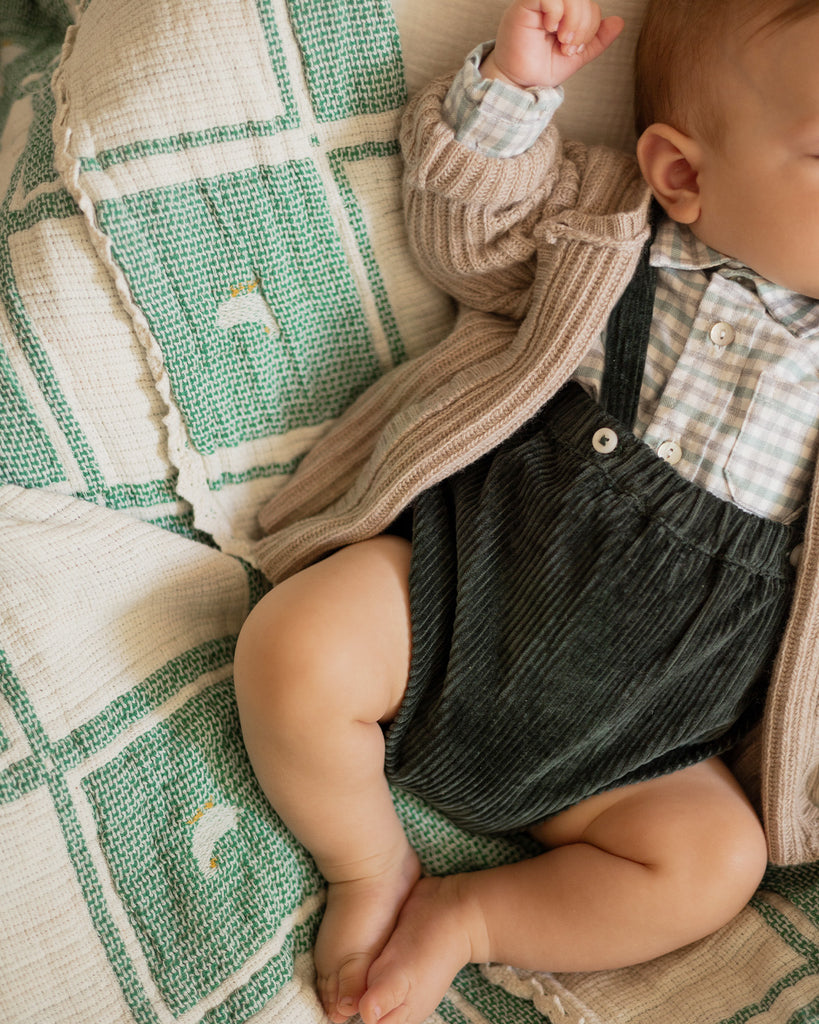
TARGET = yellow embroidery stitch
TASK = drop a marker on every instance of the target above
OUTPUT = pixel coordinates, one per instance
(200, 812)
(246, 288)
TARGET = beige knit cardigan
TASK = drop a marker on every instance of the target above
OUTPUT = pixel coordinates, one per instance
(536, 249)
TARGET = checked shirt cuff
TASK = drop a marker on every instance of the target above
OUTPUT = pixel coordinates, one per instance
(496, 119)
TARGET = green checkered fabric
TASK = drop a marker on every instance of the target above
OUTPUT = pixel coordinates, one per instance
(228, 249)
(203, 262)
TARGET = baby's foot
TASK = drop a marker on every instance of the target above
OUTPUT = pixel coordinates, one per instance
(431, 943)
(358, 919)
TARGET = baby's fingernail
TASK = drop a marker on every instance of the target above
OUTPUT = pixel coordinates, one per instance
(346, 1005)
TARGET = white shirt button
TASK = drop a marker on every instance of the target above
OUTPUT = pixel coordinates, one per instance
(670, 451)
(796, 555)
(722, 334)
(605, 440)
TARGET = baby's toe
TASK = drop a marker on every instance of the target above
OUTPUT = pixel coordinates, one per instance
(350, 982)
(387, 998)
(327, 987)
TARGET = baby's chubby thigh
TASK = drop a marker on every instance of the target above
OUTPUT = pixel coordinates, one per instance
(333, 640)
(695, 828)
(321, 660)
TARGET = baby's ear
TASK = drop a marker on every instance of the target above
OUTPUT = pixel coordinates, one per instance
(670, 162)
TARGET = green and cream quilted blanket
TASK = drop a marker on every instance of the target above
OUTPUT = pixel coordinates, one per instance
(203, 263)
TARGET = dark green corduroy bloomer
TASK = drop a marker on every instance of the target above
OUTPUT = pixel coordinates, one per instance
(583, 617)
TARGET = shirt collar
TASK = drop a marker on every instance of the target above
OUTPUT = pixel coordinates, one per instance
(676, 247)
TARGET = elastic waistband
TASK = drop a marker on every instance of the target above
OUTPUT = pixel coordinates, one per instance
(635, 470)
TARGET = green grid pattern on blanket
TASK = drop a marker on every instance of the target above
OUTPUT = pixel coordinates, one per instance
(26, 452)
(264, 369)
(203, 264)
(219, 882)
(245, 233)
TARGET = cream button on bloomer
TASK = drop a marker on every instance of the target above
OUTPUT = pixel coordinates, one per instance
(722, 334)
(605, 440)
(670, 451)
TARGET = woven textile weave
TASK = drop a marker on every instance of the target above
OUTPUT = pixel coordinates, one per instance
(203, 262)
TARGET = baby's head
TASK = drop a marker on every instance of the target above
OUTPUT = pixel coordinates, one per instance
(727, 109)
(685, 45)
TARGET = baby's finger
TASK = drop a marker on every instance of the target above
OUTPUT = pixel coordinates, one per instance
(591, 25)
(581, 20)
(551, 12)
(610, 29)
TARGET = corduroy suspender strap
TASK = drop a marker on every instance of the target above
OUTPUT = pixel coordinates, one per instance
(627, 335)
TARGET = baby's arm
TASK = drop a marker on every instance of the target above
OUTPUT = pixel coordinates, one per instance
(481, 167)
(541, 43)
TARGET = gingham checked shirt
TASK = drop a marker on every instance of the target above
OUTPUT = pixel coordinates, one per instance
(730, 394)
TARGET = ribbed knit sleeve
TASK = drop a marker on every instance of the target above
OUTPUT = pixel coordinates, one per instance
(537, 248)
(471, 217)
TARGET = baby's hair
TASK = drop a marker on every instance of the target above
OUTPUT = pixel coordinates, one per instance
(681, 42)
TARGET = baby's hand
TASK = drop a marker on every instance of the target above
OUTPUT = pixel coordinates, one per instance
(543, 42)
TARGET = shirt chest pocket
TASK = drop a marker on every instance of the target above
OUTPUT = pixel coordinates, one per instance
(770, 468)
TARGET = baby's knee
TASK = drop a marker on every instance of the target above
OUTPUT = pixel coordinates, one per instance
(277, 670)
(722, 863)
(732, 853)
(699, 839)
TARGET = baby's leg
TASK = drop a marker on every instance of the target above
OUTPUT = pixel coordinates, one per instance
(629, 875)
(321, 660)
